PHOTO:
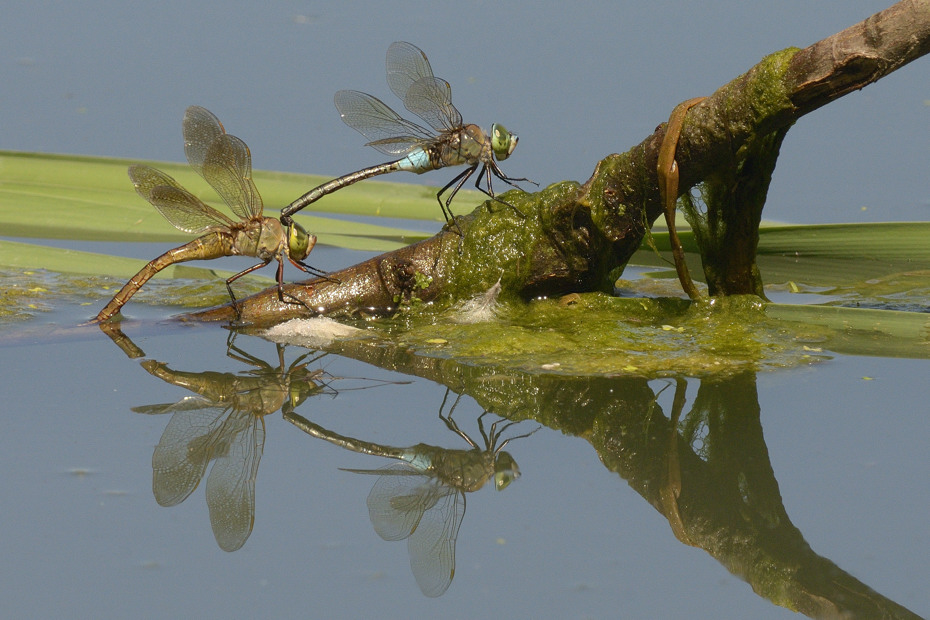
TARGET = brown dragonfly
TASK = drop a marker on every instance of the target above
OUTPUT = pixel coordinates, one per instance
(225, 162)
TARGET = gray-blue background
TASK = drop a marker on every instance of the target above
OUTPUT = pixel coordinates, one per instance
(575, 80)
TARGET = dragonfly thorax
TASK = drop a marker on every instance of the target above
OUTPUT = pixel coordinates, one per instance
(471, 144)
(269, 240)
(468, 145)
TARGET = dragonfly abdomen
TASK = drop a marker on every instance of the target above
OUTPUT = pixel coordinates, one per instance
(211, 245)
(336, 184)
(419, 161)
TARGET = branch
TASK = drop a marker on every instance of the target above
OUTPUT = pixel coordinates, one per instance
(578, 238)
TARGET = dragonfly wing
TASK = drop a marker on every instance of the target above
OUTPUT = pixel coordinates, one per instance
(231, 483)
(387, 131)
(227, 167)
(182, 209)
(406, 64)
(201, 127)
(430, 98)
(432, 544)
(183, 452)
(398, 500)
(188, 403)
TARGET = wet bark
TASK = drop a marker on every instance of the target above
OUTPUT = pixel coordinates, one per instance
(578, 237)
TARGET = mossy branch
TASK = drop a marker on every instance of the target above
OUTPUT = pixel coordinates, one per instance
(578, 238)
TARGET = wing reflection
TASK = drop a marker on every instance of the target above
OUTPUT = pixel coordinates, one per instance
(224, 424)
(421, 499)
(406, 504)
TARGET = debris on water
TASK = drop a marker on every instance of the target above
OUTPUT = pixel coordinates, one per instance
(311, 333)
(482, 307)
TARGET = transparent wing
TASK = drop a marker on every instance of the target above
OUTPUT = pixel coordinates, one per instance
(182, 209)
(387, 131)
(406, 64)
(398, 500)
(227, 167)
(188, 403)
(186, 447)
(231, 484)
(432, 544)
(430, 98)
(200, 128)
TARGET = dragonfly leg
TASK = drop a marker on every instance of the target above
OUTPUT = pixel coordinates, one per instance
(509, 439)
(283, 295)
(313, 270)
(486, 171)
(287, 298)
(450, 423)
(512, 181)
(484, 435)
(229, 282)
(235, 353)
(458, 182)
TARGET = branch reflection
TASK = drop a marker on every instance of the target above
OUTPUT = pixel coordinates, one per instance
(706, 470)
(422, 498)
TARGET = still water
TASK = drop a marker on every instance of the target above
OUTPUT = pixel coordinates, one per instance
(806, 485)
(777, 485)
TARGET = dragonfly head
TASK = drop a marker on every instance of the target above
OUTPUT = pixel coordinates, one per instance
(299, 241)
(502, 142)
(298, 391)
(505, 470)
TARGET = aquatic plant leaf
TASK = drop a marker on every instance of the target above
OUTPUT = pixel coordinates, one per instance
(92, 199)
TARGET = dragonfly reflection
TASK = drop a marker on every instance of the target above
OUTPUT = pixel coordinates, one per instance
(224, 423)
(450, 143)
(422, 498)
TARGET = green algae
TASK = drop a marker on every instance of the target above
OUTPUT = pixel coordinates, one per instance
(726, 230)
(505, 248)
(598, 335)
(27, 294)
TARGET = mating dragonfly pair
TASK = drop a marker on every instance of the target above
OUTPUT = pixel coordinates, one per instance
(224, 161)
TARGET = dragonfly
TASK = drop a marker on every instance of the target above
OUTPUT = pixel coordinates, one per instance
(421, 498)
(449, 143)
(225, 162)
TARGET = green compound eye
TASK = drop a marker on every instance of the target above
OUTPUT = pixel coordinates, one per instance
(505, 471)
(502, 142)
(299, 241)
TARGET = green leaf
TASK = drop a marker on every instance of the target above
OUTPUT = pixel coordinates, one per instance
(860, 331)
(28, 256)
(92, 199)
(825, 255)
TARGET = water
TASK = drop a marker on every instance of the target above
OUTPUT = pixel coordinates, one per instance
(84, 535)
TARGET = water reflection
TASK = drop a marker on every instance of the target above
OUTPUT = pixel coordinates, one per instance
(422, 498)
(703, 465)
(705, 469)
(223, 424)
